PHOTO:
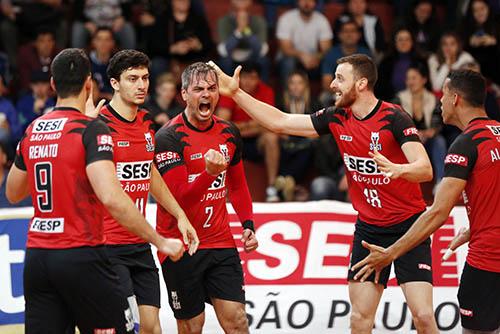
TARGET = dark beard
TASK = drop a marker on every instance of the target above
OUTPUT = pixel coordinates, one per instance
(347, 99)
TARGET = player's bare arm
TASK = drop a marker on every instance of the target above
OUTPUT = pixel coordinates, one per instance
(447, 195)
(266, 115)
(164, 197)
(106, 186)
(17, 187)
(418, 168)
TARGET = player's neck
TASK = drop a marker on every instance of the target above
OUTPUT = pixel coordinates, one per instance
(76, 102)
(467, 115)
(364, 105)
(125, 110)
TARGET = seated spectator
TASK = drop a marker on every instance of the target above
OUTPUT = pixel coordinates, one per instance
(10, 130)
(36, 56)
(481, 36)
(37, 102)
(450, 56)
(394, 65)
(163, 105)
(423, 25)
(304, 37)
(24, 18)
(372, 32)
(490, 104)
(422, 106)
(349, 37)
(103, 45)
(178, 37)
(4, 171)
(113, 14)
(242, 37)
(331, 182)
(258, 143)
(296, 152)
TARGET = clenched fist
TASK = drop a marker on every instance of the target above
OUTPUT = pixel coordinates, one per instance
(174, 248)
(215, 163)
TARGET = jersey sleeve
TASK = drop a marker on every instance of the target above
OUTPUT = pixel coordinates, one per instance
(461, 158)
(98, 142)
(239, 193)
(238, 142)
(403, 128)
(321, 120)
(19, 160)
(168, 151)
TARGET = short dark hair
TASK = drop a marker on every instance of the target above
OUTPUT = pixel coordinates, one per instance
(250, 67)
(125, 59)
(470, 85)
(70, 68)
(197, 70)
(363, 67)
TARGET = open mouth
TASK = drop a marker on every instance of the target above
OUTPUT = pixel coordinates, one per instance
(205, 107)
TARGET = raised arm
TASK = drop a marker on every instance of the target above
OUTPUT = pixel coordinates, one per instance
(266, 115)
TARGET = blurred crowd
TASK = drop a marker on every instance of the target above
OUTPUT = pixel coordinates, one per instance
(288, 49)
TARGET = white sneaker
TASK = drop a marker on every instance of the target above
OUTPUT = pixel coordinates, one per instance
(272, 194)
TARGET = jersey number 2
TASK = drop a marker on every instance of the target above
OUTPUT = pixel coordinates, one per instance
(43, 185)
(209, 210)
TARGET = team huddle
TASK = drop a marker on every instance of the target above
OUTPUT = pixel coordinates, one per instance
(90, 170)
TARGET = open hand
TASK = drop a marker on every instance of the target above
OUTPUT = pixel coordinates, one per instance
(378, 259)
(228, 86)
(391, 170)
(188, 234)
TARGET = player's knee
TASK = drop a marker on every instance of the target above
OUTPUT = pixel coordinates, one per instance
(424, 320)
(191, 328)
(237, 324)
(361, 323)
(150, 328)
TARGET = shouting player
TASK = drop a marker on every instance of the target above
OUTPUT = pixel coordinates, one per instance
(65, 160)
(384, 161)
(133, 135)
(199, 157)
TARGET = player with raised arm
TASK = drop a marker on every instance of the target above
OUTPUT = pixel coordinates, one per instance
(384, 161)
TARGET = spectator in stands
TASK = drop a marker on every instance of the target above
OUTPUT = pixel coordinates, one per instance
(37, 102)
(450, 56)
(10, 130)
(163, 105)
(331, 182)
(490, 105)
(178, 37)
(421, 105)
(258, 143)
(242, 37)
(103, 46)
(113, 14)
(5, 67)
(296, 152)
(4, 171)
(304, 37)
(394, 65)
(349, 37)
(36, 56)
(481, 36)
(372, 33)
(423, 25)
(24, 18)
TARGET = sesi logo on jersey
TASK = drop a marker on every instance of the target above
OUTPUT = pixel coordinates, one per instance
(133, 171)
(219, 182)
(49, 125)
(366, 166)
(104, 143)
(456, 159)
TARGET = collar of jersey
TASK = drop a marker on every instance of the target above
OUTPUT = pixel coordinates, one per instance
(62, 108)
(192, 127)
(370, 115)
(118, 116)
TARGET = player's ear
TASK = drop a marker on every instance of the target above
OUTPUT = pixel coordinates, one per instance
(362, 83)
(184, 94)
(52, 84)
(114, 83)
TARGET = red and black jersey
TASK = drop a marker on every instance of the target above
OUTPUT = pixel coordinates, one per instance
(133, 156)
(179, 156)
(55, 151)
(378, 199)
(475, 157)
